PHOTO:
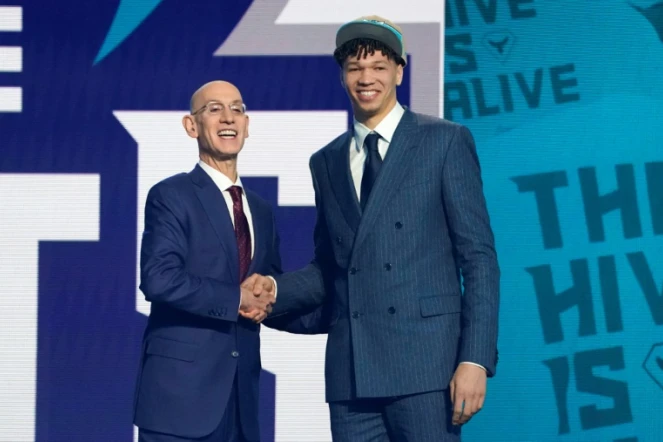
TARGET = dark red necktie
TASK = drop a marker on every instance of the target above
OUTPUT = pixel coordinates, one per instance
(242, 232)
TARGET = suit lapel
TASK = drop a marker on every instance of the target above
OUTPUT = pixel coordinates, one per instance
(394, 168)
(215, 206)
(259, 227)
(340, 177)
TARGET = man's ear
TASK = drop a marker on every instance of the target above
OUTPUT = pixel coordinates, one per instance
(399, 74)
(190, 126)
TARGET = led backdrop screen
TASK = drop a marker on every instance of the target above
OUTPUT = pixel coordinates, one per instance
(564, 98)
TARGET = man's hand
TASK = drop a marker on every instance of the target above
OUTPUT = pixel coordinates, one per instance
(255, 308)
(468, 391)
(257, 297)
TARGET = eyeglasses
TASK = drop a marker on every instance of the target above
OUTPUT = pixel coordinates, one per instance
(215, 108)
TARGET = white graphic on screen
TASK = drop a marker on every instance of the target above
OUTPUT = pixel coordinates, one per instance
(11, 59)
(33, 208)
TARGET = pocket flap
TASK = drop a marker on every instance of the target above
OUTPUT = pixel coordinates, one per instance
(171, 349)
(439, 305)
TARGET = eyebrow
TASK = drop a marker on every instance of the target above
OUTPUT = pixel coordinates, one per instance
(374, 63)
(215, 100)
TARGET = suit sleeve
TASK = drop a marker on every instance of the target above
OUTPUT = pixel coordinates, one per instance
(473, 242)
(305, 289)
(163, 273)
(305, 322)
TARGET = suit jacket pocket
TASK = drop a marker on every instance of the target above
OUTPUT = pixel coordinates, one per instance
(172, 349)
(439, 305)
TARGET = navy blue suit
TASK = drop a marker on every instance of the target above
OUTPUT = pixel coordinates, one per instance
(389, 279)
(198, 354)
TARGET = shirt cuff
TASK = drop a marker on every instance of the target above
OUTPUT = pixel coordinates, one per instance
(472, 363)
(275, 286)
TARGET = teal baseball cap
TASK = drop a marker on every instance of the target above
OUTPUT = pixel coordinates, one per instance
(375, 28)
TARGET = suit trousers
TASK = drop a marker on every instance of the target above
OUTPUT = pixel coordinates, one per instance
(229, 429)
(424, 417)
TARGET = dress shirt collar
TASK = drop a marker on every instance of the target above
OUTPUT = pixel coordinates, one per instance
(221, 180)
(385, 128)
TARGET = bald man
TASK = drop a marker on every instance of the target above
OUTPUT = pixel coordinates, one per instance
(204, 234)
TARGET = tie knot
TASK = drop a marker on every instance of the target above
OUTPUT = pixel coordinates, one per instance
(371, 142)
(235, 193)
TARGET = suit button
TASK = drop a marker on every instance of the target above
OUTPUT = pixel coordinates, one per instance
(353, 271)
(339, 240)
(355, 315)
(391, 310)
(235, 354)
(399, 225)
(387, 266)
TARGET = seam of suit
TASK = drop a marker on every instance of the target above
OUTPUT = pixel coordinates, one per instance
(163, 192)
(448, 147)
(468, 334)
(320, 213)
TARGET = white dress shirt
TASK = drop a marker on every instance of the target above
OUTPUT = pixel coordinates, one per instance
(358, 153)
(385, 129)
(224, 183)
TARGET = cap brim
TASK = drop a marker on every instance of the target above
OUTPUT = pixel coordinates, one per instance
(365, 30)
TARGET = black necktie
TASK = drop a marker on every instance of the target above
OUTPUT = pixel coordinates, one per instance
(371, 167)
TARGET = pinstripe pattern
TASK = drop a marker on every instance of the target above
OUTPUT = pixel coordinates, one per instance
(396, 319)
(360, 420)
(422, 417)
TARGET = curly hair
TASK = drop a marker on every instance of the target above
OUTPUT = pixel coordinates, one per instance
(362, 47)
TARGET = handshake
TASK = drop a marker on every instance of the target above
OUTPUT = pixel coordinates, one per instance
(258, 294)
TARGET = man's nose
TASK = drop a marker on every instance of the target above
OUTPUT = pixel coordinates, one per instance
(365, 79)
(226, 116)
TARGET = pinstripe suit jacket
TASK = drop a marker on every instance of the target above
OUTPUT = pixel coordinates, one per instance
(387, 282)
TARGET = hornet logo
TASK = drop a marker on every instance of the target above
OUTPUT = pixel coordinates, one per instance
(500, 44)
